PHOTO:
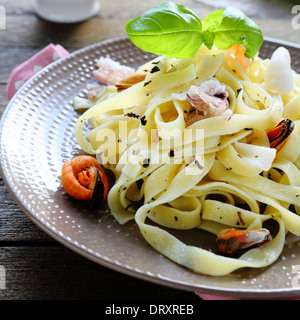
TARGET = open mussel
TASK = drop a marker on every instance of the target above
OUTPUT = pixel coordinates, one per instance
(84, 179)
(230, 240)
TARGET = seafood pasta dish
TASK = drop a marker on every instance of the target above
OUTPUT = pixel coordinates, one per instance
(207, 141)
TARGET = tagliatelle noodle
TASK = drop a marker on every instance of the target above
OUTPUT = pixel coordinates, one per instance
(219, 176)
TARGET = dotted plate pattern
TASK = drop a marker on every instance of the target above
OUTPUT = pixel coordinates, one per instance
(37, 137)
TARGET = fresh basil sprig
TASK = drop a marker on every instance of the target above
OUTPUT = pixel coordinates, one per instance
(168, 29)
(175, 31)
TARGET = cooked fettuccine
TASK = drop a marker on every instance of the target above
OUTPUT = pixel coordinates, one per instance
(189, 148)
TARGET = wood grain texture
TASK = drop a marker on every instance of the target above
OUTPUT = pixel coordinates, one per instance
(14, 224)
(56, 273)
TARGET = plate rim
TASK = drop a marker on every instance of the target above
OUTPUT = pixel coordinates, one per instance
(208, 289)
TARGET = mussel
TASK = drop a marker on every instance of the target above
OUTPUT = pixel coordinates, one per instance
(279, 135)
(84, 179)
(230, 240)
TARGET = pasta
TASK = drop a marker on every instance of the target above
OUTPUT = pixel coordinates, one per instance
(211, 172)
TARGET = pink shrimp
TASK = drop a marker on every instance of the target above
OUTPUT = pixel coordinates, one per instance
(110, 72)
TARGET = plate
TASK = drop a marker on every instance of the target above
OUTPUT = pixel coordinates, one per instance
(37, 137)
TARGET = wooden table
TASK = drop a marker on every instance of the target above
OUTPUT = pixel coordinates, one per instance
(36, 266)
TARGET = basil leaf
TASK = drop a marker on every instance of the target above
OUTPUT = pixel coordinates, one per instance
(233, 28)
(174, 31)
(211, 22)
(169, 29)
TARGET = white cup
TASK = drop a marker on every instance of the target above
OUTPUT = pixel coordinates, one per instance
(67, 11)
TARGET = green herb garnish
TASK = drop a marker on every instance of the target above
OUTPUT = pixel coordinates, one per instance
(175, 31)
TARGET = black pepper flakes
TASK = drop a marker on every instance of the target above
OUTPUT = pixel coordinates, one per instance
(132, 115)
(171, 153)
(154, 69)
(143, 120)
(146, 163)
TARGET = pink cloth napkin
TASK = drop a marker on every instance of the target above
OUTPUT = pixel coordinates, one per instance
(27, 69)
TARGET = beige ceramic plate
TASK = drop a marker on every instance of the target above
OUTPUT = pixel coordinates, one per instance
(37, 136)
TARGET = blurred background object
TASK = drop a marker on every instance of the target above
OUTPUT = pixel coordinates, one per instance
(67, 11)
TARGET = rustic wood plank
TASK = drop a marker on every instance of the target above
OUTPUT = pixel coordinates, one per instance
(22, 31)
(55, 272)
(3, 98)
(14, 224)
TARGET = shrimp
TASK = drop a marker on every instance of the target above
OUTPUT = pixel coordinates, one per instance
(84, 179)
(230, 240)
(239, 54)
(110, 72)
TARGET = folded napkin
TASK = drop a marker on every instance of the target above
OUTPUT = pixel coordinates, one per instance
(27, 69)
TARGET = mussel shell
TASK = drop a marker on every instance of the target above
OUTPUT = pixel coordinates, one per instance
(98, 191)
(257, 238)
(231, 240)
(279, 135)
